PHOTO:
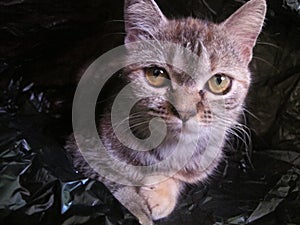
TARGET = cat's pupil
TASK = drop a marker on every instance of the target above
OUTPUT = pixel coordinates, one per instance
(219, 79)
(157, 72)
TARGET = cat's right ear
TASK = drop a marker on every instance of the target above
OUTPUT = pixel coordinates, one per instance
(142, 19)
(245, 25)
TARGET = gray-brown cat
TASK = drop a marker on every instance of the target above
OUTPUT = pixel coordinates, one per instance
(194, 109)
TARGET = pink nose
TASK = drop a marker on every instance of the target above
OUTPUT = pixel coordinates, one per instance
(186, 115)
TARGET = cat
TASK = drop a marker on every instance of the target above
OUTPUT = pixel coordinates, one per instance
(194, 109)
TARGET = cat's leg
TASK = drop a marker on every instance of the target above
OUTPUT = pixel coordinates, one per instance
(137, 205)
(161, 198)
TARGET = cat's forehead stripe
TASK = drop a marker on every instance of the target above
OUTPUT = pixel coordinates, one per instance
(193, 34)
(188, 32)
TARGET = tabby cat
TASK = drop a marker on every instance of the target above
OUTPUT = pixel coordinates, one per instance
(194, 109)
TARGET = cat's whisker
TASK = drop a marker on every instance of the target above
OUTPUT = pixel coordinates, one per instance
(266, 62)
(209, 8)
(245, 138)
(136, 122)
(248, 147)
(239, 138)
(113, 21)
(133, 116)
(267, 43)
(244, 130)
(251, 114)
(136, 125)
(235, 124)
(114, 33)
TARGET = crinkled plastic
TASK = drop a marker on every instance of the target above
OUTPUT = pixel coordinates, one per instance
(43, 45)
(37, 182)
(293, 4)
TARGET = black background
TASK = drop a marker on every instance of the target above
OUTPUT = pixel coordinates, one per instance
(45, 46)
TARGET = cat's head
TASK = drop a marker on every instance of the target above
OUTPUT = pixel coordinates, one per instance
(217, 92)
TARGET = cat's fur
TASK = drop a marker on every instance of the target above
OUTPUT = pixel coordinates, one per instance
(224, 48)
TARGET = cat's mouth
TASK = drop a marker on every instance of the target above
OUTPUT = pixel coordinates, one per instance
(190, 127)
(175, 117)
(186, 121)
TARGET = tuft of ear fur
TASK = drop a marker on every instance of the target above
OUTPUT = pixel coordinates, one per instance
(142, 19)
(245, 25)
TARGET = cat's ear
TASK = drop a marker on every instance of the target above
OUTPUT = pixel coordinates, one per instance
(245, 25)
(142, 18)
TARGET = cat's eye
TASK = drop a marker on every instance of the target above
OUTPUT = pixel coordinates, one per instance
(220, 84)
(157, 77)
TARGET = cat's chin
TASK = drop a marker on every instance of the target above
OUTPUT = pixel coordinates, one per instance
(188, 131)
(190, 127)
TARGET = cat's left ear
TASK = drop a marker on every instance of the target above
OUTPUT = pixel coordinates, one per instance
(142, 18)
(245, 25)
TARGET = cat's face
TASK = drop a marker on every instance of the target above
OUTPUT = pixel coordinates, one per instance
(213, 96)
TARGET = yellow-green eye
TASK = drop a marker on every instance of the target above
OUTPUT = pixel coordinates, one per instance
(156, 77)
(219, 84)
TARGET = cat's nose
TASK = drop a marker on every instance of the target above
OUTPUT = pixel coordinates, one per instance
(186, 115)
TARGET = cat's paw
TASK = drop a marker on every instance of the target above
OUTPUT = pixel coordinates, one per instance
(135, 204)
(161, 198)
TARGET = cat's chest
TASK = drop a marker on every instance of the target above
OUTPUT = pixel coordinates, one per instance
(195, 157)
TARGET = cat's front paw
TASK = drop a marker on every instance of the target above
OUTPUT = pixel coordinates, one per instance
(161, 198)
